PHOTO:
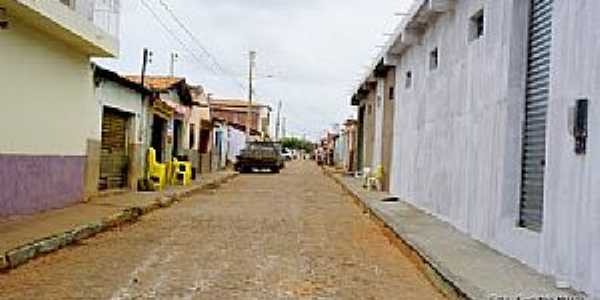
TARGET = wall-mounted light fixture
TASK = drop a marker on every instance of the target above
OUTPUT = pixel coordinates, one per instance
(580, 130)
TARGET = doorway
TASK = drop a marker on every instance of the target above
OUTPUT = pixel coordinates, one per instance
(158, 129)
(114, 161)
(177, 131)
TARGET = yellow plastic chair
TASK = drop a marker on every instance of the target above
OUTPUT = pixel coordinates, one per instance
(181, 172)
(157, 172)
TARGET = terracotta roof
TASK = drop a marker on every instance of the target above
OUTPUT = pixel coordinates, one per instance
(101, 72)
(233, 103)
(159, 83)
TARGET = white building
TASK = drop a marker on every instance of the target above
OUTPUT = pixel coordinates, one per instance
(491, 131)
(50, 137)
(124, 107)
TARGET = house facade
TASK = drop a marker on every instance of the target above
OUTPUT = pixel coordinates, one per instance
(220, 144)
(123, 106)
(365, 100)
(169, 120)
(42, 167)
(350, 154)
(493, 129)
(236, 112)
(200, 134)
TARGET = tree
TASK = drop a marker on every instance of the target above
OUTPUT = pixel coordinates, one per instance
(297, 144)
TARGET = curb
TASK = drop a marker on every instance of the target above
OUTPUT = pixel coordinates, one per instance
(25, 253)
(427, 267)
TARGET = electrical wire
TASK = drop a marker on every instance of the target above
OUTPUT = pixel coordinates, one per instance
(204, 49)
(175, 37)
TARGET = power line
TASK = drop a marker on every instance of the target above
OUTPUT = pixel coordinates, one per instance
(194, 39)
(175, 37)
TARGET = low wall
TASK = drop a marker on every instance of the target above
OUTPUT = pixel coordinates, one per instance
(32, 184)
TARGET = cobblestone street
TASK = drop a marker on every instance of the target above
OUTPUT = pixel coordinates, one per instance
(295, 235)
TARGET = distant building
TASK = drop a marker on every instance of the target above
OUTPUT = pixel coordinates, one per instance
(203, 129)
(50, 134)
(124, 106)
(349, 144)
(236, 112)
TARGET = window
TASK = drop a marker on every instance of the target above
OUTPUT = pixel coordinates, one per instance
(476, 26)
(391, 91)
(408, 80)
(434, 59)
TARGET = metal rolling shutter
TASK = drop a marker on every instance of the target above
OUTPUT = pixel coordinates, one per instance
(534, 136)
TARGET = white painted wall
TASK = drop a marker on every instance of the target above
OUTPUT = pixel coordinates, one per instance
(195, 119)
(76, 27)
(571, 238)
(458, 133)
(114, 95)
(48, 105)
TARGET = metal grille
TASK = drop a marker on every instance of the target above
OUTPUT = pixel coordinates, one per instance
(534, 135)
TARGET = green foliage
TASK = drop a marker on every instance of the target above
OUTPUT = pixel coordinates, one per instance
(298, 144)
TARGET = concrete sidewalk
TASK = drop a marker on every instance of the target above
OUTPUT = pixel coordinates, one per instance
(461, 267)
(25, 237)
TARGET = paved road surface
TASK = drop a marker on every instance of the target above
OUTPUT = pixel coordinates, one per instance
(290, 236)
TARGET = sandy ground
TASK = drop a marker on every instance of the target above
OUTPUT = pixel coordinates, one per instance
(295, 235)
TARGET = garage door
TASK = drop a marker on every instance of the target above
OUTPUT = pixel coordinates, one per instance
(114, 161)
(534, 136)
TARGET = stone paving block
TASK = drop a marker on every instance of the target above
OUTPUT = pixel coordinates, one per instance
(147, 208)
(50, 244)
(165, 201)
(86, 231)
(65, 238)
(114, 220)
(21, 255)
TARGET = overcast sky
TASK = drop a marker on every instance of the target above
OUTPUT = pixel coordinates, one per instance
(314, 49)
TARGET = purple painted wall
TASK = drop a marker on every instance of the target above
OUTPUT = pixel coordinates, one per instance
(30, 184)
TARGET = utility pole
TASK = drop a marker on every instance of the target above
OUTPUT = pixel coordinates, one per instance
(278, 123)
(146, 59)
(174, 57)
(252, 65)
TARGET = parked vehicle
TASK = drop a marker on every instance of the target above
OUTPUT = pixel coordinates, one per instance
(287, 154)
(260, 156)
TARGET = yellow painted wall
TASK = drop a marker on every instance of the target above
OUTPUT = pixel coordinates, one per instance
(47, 100)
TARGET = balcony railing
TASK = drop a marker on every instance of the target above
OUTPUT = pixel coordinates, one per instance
(103, 13)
